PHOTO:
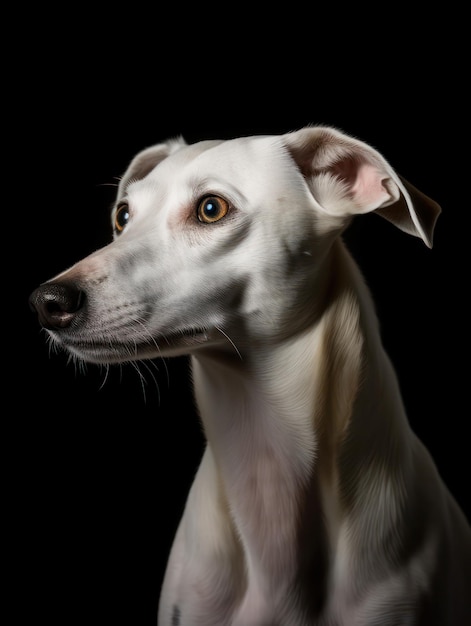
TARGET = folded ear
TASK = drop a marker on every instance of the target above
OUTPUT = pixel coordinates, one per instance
(147, 159)
(348, 177)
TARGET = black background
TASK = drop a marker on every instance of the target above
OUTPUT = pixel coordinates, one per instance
(99, 465)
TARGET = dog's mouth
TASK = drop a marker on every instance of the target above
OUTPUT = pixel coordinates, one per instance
(108, 350)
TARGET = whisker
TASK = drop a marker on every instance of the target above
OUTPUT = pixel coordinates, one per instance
(117, 178)
(107, 184)
(230, 341)
(142, 379)
(152, 375)
(107, 371)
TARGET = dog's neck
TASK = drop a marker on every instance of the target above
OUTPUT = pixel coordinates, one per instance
(263, 445)
(276, 423)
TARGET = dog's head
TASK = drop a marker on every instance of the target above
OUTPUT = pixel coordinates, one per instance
(220, 242)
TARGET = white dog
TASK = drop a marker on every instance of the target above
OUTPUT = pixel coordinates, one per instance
(314, 504)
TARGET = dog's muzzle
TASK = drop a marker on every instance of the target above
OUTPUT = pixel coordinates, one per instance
(56, 304)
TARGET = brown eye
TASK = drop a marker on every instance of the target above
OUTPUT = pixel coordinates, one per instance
(121, 218)
(211, 209)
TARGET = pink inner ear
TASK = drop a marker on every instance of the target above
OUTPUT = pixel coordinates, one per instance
(368, 190)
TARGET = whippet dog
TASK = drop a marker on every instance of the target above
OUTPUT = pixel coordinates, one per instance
(314, 504)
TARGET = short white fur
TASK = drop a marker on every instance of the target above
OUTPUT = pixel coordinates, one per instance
(314, 504)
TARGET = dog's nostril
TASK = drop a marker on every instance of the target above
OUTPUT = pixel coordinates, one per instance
(56, 304)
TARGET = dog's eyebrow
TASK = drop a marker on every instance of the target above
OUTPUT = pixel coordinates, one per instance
(219, 186)
(138, 189)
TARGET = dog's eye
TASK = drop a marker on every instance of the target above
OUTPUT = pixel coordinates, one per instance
(121, 218)
(211, 209)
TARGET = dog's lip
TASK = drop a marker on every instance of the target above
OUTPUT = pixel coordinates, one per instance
(114, 349)
(192, 333)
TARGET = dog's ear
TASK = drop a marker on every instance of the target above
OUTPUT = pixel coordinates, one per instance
(348, 177)
(147, 159)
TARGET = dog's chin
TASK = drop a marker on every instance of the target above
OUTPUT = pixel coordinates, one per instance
(109, 351)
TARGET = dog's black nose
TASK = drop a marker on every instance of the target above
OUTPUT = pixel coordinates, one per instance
(56, 304)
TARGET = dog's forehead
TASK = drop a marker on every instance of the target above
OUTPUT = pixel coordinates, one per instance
(259, 160)
(251, 164)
